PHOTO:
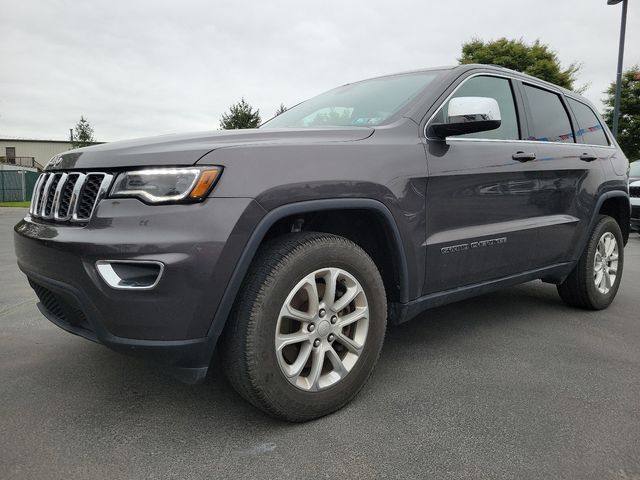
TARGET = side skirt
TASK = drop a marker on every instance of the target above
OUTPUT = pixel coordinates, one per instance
(402, 312)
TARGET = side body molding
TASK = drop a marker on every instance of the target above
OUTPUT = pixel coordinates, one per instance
(258, 234)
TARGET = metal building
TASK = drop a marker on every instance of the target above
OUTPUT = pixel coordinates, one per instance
(29, 152)
(20, 161)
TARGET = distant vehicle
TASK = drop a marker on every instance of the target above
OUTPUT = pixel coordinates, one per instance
(291, 246)
(634, 171)
(634, 193)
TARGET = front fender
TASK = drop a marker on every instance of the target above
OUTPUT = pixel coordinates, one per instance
(253, 243)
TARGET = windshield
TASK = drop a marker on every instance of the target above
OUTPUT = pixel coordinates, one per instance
(361, 104)
(635, 169)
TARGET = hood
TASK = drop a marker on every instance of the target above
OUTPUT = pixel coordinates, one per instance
(187, 149)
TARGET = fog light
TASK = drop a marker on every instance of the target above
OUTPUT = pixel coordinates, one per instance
(130, 274)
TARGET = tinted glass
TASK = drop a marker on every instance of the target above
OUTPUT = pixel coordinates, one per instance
(589, 128)
(492, 87)
(361, 104)
(550, 120)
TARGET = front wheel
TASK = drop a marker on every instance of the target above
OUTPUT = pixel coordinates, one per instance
(594, 281)
(307, 328)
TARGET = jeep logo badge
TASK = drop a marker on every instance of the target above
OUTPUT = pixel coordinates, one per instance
(54, 162)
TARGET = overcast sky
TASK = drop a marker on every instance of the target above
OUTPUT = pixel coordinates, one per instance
(136, 68)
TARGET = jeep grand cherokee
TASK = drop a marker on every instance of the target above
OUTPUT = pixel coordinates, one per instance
(290, 247)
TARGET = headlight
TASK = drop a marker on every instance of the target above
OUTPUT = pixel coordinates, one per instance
(166, 185)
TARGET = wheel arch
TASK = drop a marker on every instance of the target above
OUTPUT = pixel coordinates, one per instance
(616, 205)
(262, 231)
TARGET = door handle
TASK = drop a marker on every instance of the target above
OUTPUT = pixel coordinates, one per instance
(523, 156)
(588, 157)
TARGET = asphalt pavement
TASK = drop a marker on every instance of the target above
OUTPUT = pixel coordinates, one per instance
(512, 384)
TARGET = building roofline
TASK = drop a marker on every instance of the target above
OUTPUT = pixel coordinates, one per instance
(40, 140)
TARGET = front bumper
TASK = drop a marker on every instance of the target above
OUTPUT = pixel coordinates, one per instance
(171, 323)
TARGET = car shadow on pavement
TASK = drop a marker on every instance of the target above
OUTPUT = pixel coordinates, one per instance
(129, 384)
(471, 370)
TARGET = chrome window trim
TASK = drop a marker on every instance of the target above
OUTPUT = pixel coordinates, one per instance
(507, 77)
(537, 142)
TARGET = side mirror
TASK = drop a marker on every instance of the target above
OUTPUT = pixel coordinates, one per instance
(468, 115)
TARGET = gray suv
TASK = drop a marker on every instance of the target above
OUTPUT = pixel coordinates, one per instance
(288, 249)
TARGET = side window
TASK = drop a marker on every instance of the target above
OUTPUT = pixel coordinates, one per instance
(550, 122)
(492, 87)
(589, 127)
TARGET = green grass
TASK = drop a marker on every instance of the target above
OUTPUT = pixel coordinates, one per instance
(14, 204)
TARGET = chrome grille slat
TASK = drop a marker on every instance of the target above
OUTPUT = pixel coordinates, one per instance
(73, 203)
(50, 199)
(91, 192)
(56, 196)
(63, 207)
(36, 194)
(59, 195)
(44, 195)
(36, 208)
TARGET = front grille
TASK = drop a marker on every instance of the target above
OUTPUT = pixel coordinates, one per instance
(61, 308)
(634, 191)
(68, 196)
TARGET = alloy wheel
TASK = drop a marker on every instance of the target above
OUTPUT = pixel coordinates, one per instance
(605, 263)
(322, 328)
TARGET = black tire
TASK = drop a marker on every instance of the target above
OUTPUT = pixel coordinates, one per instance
(247, 344)
(579, 289)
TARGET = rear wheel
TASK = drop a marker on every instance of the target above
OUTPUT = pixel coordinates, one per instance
(307, 328)
(594, 282)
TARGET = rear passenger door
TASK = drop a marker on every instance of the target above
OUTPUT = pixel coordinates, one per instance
(568, 174)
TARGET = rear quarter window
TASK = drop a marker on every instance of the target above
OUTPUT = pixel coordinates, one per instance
(589, 129)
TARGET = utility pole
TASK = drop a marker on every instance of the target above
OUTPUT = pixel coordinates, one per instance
(623, 26)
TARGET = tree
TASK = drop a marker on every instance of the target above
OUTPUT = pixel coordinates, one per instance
(281, 109)
(629, 120)
(82, 134)
(240, 115)
(537, 59)
(334, 117)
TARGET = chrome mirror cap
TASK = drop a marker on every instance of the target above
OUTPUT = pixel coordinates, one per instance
(473, 109)
(467, 115)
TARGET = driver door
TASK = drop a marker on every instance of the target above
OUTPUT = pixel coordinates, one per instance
(481, 203)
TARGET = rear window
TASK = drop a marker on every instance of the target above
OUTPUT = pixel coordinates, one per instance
(550, 122)
(589, 127)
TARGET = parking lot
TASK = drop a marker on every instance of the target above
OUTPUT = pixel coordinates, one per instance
(512, 384)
